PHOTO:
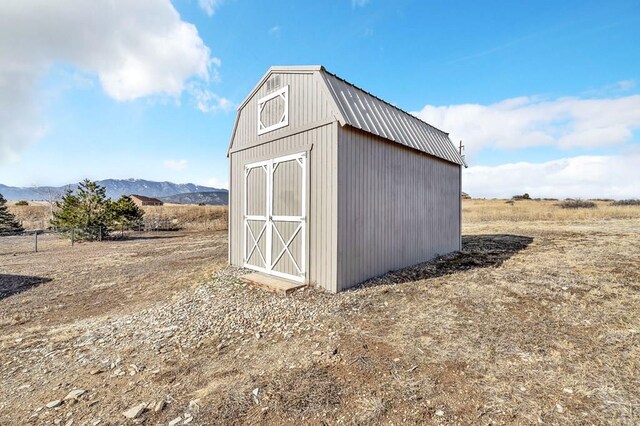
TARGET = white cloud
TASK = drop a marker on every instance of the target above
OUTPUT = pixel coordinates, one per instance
(218, 183)
(533, 121)
(207, 101)
(176, 164)
(275, 30)
(613, 176)
(19, 126)
(136, 49)
(209, 6)
(622, 86)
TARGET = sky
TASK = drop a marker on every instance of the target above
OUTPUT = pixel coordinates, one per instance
(545, 95)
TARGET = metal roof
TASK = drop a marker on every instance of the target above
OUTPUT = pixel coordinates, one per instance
(371, 114)
(362, 110)
(146, 199)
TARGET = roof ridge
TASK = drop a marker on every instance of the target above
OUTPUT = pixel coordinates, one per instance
(383, 101)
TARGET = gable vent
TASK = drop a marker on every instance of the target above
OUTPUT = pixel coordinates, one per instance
(273, 83)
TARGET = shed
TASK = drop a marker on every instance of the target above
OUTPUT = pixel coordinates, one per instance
(142, 200)
(330, 185)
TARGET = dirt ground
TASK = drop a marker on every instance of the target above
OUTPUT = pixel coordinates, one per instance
(67, 283)
(532, 323)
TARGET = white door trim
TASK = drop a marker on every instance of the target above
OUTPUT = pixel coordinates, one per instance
(269, 228)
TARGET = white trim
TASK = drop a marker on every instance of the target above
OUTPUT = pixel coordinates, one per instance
(270, 228)
(299, 279)
(284, 118)
(244, 215)
(269, 212)
(285, 247)
(303, 220)
(256, 242)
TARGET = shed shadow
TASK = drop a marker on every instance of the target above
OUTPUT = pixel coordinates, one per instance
(478, 251)
(14, 284)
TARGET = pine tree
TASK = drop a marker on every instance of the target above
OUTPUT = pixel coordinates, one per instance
(8, 222)
(87, 212)
(125, 212)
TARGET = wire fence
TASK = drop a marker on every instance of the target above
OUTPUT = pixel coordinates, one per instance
(34, 237)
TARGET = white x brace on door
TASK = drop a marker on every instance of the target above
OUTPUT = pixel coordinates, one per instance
(275, 202)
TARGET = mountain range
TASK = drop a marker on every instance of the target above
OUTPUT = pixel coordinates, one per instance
(117, 187)
(212, 198)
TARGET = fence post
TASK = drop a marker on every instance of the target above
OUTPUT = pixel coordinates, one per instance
(73, 236)
(100, 233)
(36, 234)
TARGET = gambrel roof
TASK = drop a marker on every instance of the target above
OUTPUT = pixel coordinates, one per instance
(360, 109)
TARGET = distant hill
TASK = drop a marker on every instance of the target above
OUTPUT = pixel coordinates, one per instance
(218, 197)
(115, 188)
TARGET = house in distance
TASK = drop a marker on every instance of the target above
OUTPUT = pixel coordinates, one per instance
(330, 185)
(141, 200)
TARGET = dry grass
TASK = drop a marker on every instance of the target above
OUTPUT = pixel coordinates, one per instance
(34, 216)
(537, 321)
(89, 279)
(533, 323)
(191, 217)
(478, 210)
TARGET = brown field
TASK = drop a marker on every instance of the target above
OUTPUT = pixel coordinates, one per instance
(478, 210)
(38, 214)
(536, 321)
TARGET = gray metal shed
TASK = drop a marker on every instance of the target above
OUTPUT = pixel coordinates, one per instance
(331, 185)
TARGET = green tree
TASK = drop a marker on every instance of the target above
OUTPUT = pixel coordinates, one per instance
(87, 212)
(8, 222)
(125, 212)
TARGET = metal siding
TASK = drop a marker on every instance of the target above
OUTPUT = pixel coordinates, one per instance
(396, 207)
(371, 114)
(373, 205)
(308, 103)
(322, 201)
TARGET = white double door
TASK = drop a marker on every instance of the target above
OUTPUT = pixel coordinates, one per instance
(275, 202)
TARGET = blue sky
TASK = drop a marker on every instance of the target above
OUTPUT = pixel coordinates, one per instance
(544, 94)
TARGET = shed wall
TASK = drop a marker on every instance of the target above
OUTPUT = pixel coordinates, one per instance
(309, 103)
(322, 198)
(396, 207)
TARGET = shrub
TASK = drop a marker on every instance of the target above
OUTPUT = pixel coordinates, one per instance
(8, 222)
(88, 214)
(577, 204)
(22, 203)
(524, 196)
(125, 212)
(626, 203)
